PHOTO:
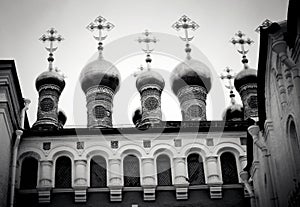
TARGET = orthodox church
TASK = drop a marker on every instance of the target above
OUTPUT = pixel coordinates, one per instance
(193, 162)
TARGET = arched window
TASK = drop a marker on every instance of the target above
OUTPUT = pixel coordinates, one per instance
(131, 169)
(229, 169)
(195, 169)
(164, 175)
(63, 173)
(294, 145)
(29, 173)
(98, 172)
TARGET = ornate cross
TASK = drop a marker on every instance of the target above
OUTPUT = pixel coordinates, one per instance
(186, 23)
(229, 75)
(242, 42)
(100, 24)
(147, 40)
(51, 37)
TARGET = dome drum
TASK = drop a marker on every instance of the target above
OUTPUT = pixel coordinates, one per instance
(99, 107)
(193, 103)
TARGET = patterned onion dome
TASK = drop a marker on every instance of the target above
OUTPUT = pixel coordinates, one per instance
(245, 76)
(190, 72)
(149, 77)
(50, 77)
(234, 112)
(100, 72)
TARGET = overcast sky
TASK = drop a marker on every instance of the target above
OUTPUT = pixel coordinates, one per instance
(23, 22)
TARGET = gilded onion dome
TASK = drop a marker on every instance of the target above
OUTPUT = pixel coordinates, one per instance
(50, 77)
(247, 75)
(149, 78)
(190, 72)
(100, 72)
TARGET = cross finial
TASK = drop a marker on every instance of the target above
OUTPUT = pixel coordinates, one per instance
(140, 70)
(242, 41)
(264, 24)
(229, 75)
(147, 40)
(186, 23)
(100, 24)
(51, 37)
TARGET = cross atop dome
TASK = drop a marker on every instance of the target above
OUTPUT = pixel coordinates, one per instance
(229, 75)
(100, 24)
(147, 40)
(186, 23)
(242, 41)
(51, 37)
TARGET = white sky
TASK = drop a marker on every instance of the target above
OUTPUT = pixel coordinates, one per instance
(23, 22)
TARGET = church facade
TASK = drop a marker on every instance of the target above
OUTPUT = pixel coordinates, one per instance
(193, 162)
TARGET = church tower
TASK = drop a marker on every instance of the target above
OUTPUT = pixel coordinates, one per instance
(100, 82)
(49, 85)
(150, 85)
(191, 79)
(245, 81)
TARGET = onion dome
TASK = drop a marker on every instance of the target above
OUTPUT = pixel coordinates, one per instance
(149, 78)
(100, 72)
(247, 75)
(234, 112)
(50, 77)
(191, 72)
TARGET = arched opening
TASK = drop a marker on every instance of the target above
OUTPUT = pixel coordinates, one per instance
(229, 169)
(164, 174)
(295, 147)
(29, 172)
(63, 173)
(195, 169)
(131, 169)
(98, 172)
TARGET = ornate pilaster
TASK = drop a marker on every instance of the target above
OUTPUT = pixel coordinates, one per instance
(148, 179)
(180, 181)
(80, 182)
(115, 180)
(213, 177)
(45, 183)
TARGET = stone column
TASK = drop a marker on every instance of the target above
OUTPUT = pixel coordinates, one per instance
(148, 178)
(180, 181)
(115, 180)
(45, 182)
